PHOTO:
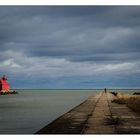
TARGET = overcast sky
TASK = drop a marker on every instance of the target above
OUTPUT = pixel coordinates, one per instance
(70, 47)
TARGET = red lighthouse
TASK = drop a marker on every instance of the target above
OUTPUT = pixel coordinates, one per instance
(4, 86)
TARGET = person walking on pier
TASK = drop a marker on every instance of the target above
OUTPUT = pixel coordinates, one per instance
(105, 90)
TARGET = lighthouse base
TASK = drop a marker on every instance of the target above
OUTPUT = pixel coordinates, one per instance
(8, 92)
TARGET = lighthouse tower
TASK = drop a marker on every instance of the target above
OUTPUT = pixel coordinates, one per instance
(4, 86)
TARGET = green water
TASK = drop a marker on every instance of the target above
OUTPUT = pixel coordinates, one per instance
(30, 110)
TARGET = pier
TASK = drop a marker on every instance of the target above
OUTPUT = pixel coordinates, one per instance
(96, 115)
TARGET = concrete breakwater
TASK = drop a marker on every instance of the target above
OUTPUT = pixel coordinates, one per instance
(97, 115)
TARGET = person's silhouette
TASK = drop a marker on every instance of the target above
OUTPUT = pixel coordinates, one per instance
(105, 90)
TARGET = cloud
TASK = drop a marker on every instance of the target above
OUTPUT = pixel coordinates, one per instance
(60, 67)
(9, 63)
(58, 42)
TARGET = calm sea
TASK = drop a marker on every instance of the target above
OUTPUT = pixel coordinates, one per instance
(30, 110)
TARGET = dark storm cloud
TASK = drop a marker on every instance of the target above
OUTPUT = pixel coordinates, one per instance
(61, 31)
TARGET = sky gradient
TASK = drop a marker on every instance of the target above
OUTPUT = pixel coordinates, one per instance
(70, 47)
